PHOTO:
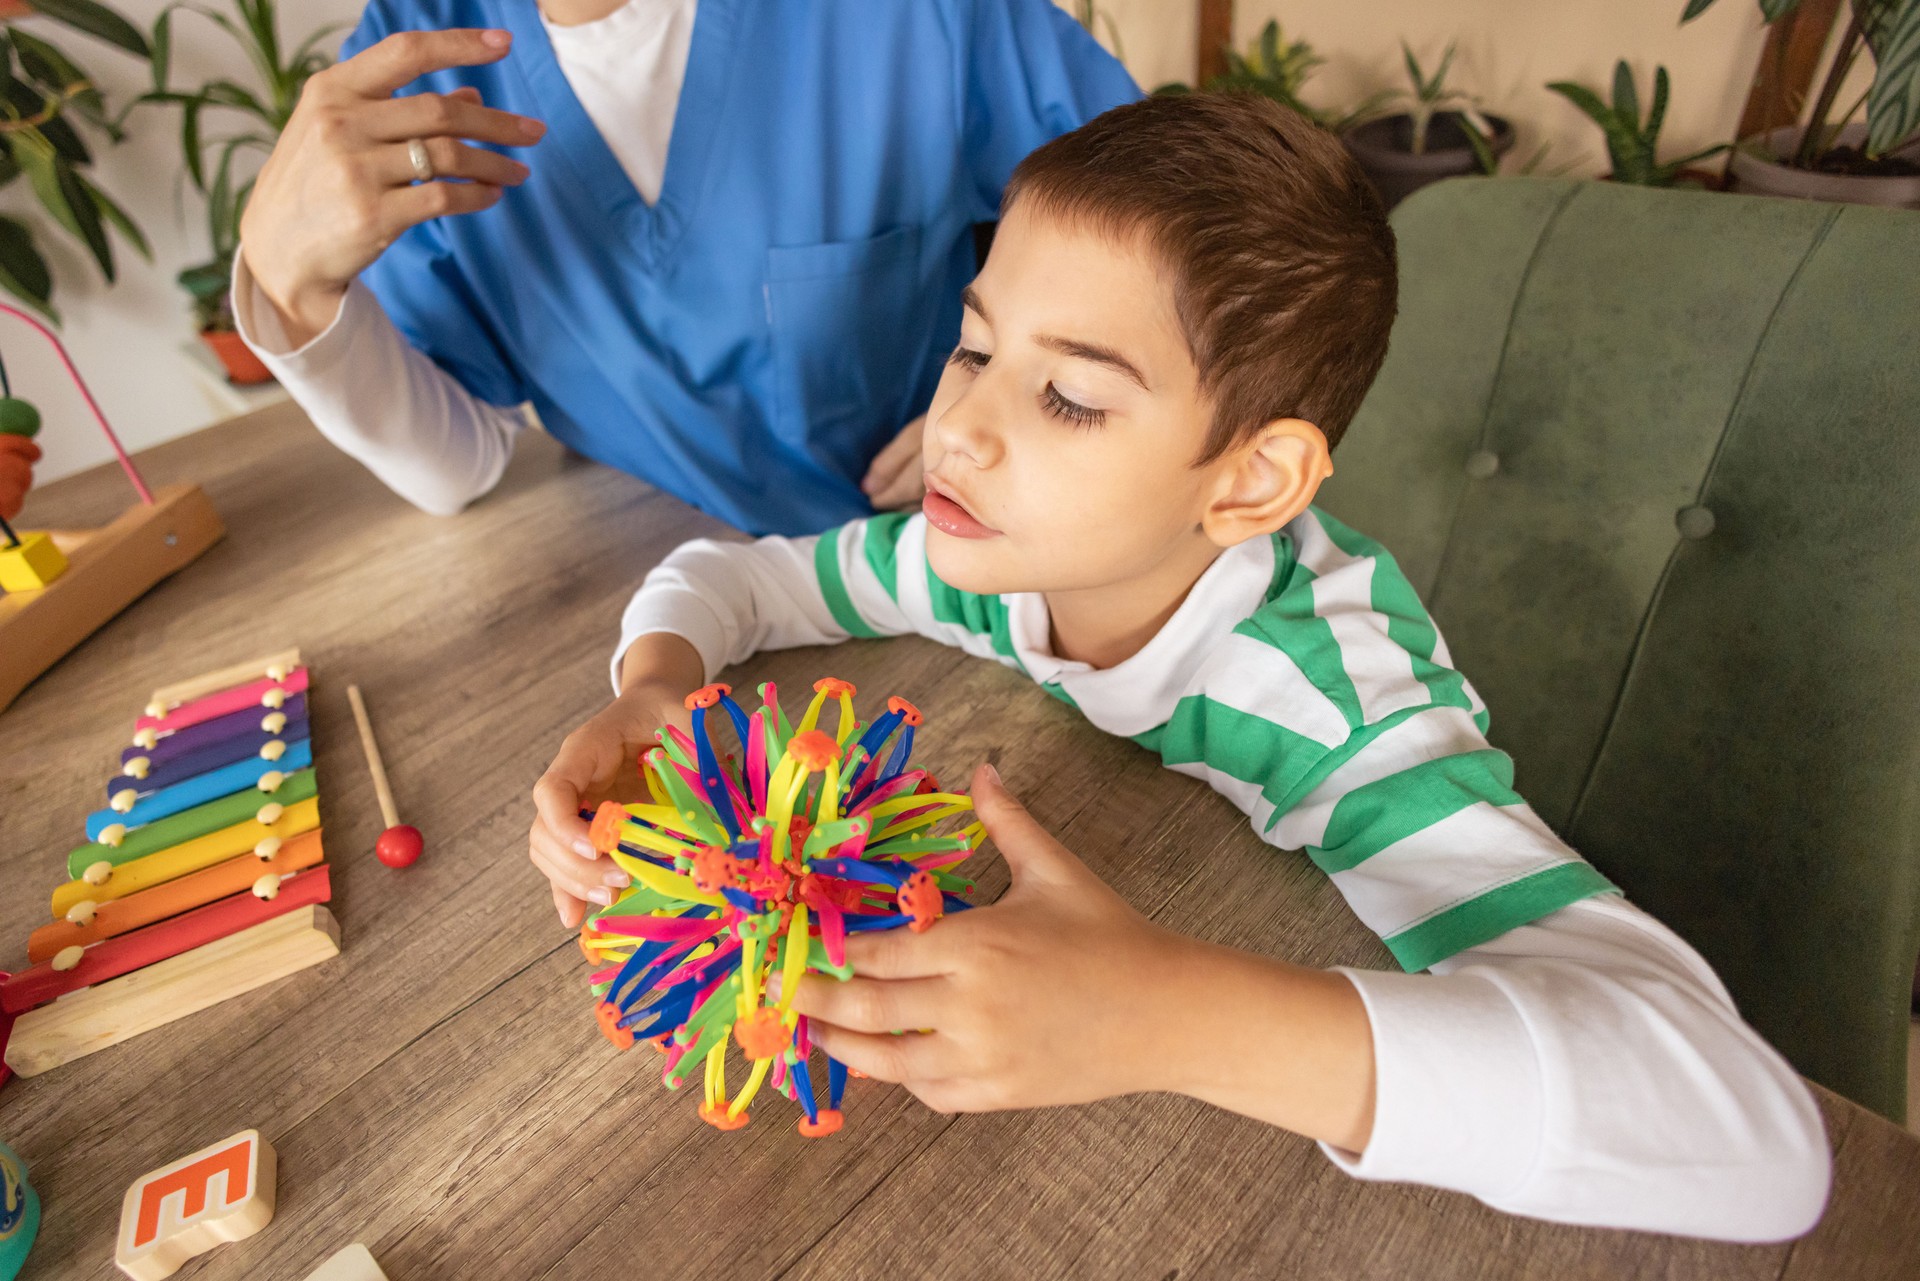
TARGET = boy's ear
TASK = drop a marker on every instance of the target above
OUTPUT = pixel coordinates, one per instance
(1267, 481)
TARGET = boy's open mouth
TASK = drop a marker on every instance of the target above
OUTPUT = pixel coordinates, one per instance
(947, 513)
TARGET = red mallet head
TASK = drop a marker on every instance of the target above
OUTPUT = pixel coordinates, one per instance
(399, 846)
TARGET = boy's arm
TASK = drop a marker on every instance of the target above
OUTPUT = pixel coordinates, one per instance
(1589, 1068)
(729, 601)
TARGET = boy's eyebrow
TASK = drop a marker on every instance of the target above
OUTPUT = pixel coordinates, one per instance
(1099, 355)
(970, 297)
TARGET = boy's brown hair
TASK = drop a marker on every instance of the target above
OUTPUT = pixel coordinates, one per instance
(1283, 262)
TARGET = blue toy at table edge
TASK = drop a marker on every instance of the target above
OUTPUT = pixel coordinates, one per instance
(19, 1214)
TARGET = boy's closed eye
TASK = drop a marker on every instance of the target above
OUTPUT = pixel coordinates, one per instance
(1051, 399)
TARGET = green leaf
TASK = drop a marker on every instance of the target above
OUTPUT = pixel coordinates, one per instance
(206, 279)
(117, 216)
(1413, 68)
(47, 64)
(1695, 8)
(1893, 103)
(23, 272)
(66, 140)
(95, 20)
(1586, 99)
(1626, 99)
(1482, 148)
(1440, 75)
(63, 194)
(162, 48)
(1659, 113)
(1774, 10)
(190, 142)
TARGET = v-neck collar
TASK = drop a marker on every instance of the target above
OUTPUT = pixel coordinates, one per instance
(651, 231)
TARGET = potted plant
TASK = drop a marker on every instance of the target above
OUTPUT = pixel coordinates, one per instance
(1875, 161)
(1633, 144)
(1278, 68)
(44, 91)
(216, 165)
(1431, 138)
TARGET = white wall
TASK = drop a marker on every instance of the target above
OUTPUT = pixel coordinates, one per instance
(128, 338)
(1508, 50)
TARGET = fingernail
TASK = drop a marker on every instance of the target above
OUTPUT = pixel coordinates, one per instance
(496, 39)
(619, 880)
(603, 897)
(585, 850)
(993, 773)
(867, 486)
(775, 986)
(532, 128)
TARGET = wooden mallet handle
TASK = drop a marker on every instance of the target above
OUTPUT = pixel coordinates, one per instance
(380, 788)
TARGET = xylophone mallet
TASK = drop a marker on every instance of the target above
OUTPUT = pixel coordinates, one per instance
(400, 844)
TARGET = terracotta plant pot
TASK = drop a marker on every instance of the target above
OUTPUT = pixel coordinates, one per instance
(1382, 147)
(1760, 177)
(243, 367)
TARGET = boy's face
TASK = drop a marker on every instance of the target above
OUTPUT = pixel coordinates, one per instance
(1059, 447)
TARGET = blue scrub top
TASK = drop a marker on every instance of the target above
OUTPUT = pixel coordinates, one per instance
(750, 341)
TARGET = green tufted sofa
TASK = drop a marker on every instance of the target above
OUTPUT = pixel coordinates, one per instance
(1653, 460)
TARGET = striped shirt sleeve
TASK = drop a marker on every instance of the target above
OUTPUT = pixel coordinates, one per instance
(1333, 719)
(868, 578)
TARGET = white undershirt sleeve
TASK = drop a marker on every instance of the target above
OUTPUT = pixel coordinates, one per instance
(1589, 1068)
(383, 401)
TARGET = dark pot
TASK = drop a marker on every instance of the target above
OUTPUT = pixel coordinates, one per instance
(1383, 148)
(1759, 177)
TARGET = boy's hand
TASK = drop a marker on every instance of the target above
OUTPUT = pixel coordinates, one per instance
(1061, 993)
(893, 482)
(1038, 999)
(589, 760)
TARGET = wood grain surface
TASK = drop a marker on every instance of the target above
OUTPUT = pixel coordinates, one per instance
(440, 1092)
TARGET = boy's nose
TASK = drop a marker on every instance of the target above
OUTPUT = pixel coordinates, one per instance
(970, 426)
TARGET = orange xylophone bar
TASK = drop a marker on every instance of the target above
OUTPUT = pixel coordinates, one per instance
(171, 898)
(129, 952)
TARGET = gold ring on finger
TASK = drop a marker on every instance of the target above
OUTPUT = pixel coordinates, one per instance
(421, 161)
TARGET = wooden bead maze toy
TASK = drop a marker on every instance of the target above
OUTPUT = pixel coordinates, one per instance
(201, 876)
(60, 586)
(742, 865)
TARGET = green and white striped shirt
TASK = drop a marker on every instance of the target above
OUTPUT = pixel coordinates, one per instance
(1301, 678)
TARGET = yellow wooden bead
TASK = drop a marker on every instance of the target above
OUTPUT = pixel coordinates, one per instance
(269, 813)
(271, 780)
(68, 957)
(267, 887)
(275, 698)
(136, 767)
(267, 848)
(146, 738)
(277, 672)
(272, 750)
(98, 873)
(32, 564)
(273, 722)
(113, 833)
(81, 913)
(156, 709)
(124, 800)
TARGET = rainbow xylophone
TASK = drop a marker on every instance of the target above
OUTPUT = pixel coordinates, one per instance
(201, 876)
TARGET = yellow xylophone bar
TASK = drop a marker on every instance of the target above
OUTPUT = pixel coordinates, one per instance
(104, 881)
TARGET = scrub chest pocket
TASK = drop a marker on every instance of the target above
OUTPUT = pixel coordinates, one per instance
(851, 322)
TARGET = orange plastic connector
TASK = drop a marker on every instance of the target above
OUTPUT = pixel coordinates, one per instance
(608, 1016)
(813, 749)
(829, 1123)
(715, 869)
(719, 1120)
(920, 902)
(763, 1034)
(586, 950)
(908, 711)
(707, 696)
(604, 831)
(834, 687)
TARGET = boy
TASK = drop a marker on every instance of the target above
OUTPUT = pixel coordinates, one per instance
(1183, 308)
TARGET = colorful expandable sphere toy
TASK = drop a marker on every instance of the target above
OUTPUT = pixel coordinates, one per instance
(771, 859)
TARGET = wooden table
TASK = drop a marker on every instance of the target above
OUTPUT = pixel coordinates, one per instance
(440, 1092)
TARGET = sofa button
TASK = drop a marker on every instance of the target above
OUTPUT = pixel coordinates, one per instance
(1694, 523)
(1482, 464)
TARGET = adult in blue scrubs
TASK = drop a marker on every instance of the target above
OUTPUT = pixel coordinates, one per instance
(752, 339)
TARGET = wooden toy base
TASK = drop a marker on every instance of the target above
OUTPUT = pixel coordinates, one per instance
(107, 570)
(93, 1018)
